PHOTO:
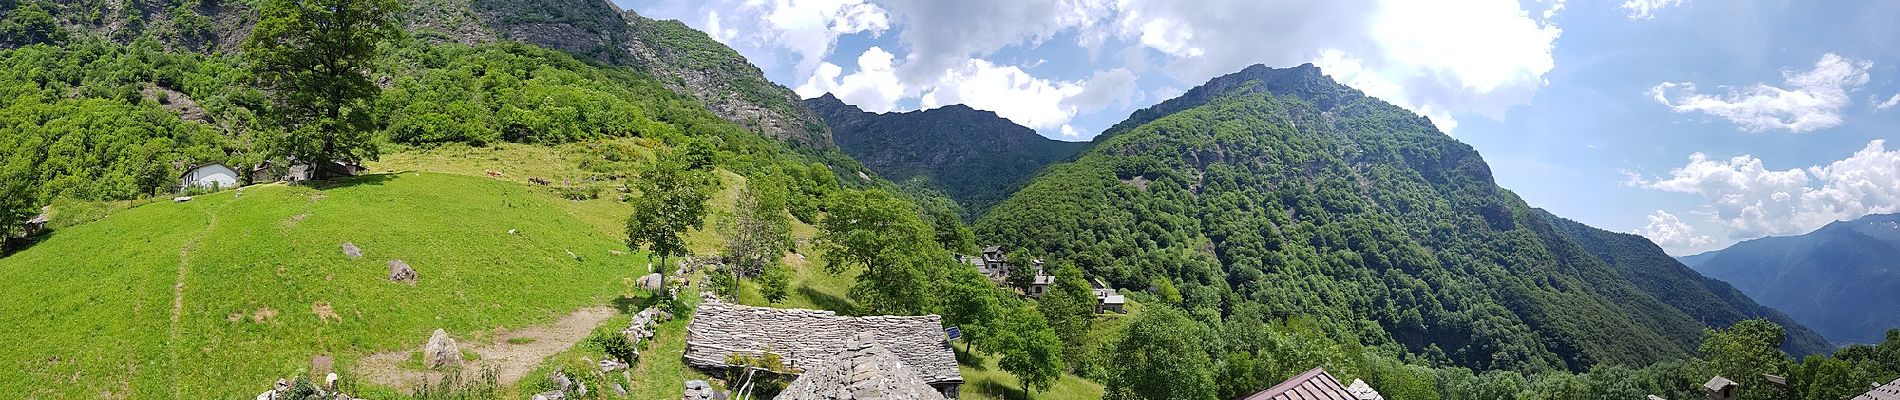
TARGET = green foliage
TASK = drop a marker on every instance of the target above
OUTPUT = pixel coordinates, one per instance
(758, 231)
(670, 199)
(29, 22)
(972, 303)
(776, 284)
(1745, 351)
(765, 375)
(1069, 307)
(615, 345)
(1031, 351)
(876, 231)
(1161, 357)
(1285, 189)
(314, 57)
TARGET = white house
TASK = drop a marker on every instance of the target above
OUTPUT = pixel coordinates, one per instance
(213, 175)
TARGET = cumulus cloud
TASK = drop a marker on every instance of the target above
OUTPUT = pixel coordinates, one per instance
(1673, 235)
(1646, 9)
(804, 30)
(1749, 200)
(1438, 58)
(1807, 101)
(1007, 90)
(1495, 56)
(1104, 87)
(1892, 101)
(873, 87)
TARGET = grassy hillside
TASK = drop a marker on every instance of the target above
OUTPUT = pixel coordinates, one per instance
(220, 296)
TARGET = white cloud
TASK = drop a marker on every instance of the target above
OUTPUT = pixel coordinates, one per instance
(1646, 9)
(1807, 101)
(1008, 91)
(1892, 101)
(1104, 87)
(1749, 200)
(1435, 58)
(1673, 235)
(873, 87)
(805, 30)
(1042, 104)
(1450, 57)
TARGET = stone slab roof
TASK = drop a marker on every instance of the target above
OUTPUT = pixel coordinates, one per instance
(1314, 384)
(863, 370)
(806, 339)
(1889, 391)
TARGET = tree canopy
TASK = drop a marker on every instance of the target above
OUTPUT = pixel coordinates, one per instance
(314, 57)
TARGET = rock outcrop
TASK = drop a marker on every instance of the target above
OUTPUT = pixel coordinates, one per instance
(441, 351)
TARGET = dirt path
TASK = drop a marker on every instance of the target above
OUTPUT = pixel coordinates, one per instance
(510, 361)
(178, 293)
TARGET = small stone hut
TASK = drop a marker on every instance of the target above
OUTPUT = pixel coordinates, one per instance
(808, 339)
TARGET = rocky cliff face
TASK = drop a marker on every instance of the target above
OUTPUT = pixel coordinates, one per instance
(689, 61)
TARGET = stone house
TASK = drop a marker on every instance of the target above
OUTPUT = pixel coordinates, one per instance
(808, 339)
(1106, 298)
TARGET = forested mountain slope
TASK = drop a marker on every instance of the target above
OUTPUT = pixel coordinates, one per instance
(1710, 301)
(975, 157)
(1283, 188)
(685, 60)
(1839, 279)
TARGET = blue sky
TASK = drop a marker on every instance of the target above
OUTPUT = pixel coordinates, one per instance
(1696, 123)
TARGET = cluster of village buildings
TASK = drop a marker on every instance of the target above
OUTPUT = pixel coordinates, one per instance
(220, 176)
(994, 264)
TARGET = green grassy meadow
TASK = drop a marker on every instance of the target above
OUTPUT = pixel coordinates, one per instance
(94, 315)
(262, 285)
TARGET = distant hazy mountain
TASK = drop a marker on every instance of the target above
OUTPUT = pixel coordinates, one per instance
(1843, 280)
(1710, 301)
(975, 157)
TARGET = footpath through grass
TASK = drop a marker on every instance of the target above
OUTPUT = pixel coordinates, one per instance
(267, 288)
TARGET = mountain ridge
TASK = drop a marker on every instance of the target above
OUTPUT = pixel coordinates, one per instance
(975, 157)
(1277, 186)
(1833, 278)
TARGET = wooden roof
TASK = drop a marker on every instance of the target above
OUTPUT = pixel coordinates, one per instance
(1314, 384)
(805, 339)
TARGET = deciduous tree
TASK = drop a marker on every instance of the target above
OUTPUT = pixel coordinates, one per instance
(314, 58)
(670, 200)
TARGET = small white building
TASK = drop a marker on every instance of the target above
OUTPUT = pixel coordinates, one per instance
(208, 176)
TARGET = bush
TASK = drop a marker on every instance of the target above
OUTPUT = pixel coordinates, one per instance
(615, 345)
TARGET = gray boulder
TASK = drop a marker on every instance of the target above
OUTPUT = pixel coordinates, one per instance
(651, 281)
(550, 395)
(400, 272)
(441, 351)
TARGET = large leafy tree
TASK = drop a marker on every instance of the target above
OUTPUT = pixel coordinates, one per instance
(1069, 306)
(314, 58)
(1031, 351)
(883, 235)
(1161, 357)
(971, 302)
(671, 200)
